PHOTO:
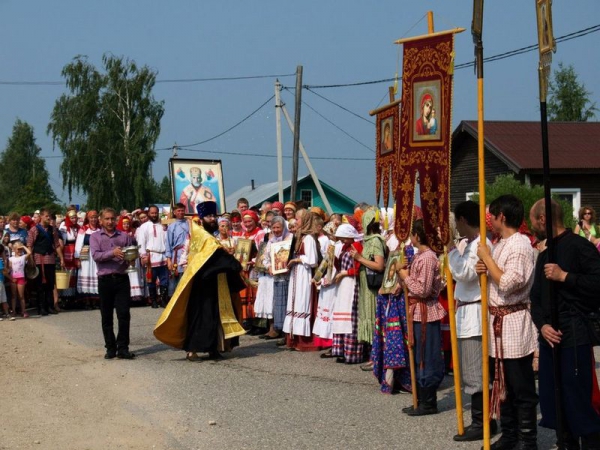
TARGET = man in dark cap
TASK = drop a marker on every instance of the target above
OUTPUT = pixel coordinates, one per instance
(207, 211)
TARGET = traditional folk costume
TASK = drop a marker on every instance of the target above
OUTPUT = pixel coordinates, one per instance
(462, 261)
(87, 281)
(302, 296)
(68, 230)
(424, 284)
(373, 245)
(391, 364)
(513, 339)
(248, 295)
(323, 327)
(136, 287)
(345, 309)
(152, 240)
(200, 316)
(177, 233)
(265, 295)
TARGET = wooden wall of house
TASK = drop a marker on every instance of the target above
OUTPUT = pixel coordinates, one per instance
(464, 175)
(588, 183)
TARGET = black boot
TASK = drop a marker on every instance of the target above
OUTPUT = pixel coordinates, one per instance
(154, 302)
(411, 408)
(570, 442)
(590, 442)
(527, 429)
(428, 404)
(164, 299)
(508, 423)
(474, 432)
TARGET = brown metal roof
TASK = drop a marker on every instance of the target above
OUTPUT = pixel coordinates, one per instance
(573, 145)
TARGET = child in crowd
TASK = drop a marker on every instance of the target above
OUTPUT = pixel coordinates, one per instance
(3, 298)
(16, 264)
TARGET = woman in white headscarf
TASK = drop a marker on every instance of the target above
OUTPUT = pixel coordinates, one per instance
(271, 297)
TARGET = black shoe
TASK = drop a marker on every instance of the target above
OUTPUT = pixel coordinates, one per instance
(215, 356)
(509, 443)
(44, 312)
(52, 311)
(125, 355)
(427, 403)
(154, 304)
(340, 359)
(110, 354)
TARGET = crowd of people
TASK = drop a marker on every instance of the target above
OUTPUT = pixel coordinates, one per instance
(345, 286)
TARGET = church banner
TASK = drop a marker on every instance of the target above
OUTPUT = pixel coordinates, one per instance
(388, 145)
(425, 135)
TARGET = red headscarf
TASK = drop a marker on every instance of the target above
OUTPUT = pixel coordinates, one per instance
(252, 215)
(28, 221)
(120, 224)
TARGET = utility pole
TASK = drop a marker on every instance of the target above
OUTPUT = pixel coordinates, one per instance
(296, 152)
(174, 150)
(279, 148)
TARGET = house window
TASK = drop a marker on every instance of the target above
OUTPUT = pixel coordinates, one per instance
(571, 195)
(306, 196)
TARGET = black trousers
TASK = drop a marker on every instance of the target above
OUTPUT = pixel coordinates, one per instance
(114, 295)
(576, 372)
(45, 290)
(521, 395)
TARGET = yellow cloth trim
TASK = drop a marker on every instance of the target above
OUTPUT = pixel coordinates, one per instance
(171, 327)
(231, 327)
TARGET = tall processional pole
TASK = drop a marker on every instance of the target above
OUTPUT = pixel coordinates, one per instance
(547, 45)
(476, 31)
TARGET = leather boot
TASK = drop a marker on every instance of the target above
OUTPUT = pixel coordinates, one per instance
(154, 302)
(410, 408)
(527, 429)
(570, 442)
(508, 421)
(428, 404)
(474, 432)
(590, 442)
(164, 299)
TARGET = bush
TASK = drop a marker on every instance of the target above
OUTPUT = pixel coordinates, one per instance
(507, 184)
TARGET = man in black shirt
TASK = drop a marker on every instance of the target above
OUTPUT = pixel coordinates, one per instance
(576, 277)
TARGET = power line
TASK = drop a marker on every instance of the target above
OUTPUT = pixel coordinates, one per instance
(265, 155)
(498, 57)
(341, 107)
(174, 80)
(338, 127)
(223, 132)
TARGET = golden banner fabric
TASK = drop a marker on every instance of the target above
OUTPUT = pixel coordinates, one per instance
(425, 136)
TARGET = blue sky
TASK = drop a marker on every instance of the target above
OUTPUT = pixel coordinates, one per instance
(336, 42)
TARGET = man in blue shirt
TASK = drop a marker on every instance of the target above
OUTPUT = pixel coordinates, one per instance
(177, 233)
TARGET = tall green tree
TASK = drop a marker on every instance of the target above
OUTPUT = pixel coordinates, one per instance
(24, 186)
(106, 128)
(569, 101)
(162, 191)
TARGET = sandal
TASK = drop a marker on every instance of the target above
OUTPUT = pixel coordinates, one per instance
(327, 355)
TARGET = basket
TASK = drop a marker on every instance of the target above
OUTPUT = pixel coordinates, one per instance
(62, 279)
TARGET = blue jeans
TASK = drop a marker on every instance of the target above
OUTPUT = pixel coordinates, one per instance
(162, 273)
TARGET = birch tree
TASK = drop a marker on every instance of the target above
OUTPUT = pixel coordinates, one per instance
(106, 128)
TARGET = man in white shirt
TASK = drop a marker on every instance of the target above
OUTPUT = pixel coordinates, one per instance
(462, 261)
(152, 240)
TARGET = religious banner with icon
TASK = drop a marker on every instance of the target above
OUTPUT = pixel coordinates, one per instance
(387, 143)
(425, 136)
(194, 181)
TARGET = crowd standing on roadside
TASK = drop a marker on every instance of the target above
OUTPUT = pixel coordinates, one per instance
(345, 286)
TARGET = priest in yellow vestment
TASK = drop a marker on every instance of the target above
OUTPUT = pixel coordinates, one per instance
(200, 315)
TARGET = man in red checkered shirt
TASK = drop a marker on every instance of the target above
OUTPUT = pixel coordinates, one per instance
(513, 336)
